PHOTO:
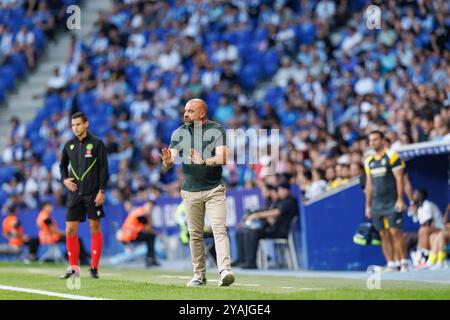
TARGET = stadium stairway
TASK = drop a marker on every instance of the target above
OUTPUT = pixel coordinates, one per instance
(21, 103)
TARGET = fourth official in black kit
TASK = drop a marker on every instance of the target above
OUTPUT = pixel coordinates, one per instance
(84, 172)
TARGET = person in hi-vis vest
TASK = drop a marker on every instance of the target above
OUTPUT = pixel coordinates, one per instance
(137, 227)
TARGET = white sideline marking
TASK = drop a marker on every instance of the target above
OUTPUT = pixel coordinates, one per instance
(243, 284)
(49, 293)
(310, 289)
(247, 284)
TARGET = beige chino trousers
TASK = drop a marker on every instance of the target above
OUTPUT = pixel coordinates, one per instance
(212, 202)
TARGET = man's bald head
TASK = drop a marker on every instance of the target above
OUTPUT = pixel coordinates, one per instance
(198, 103)
(195, 110)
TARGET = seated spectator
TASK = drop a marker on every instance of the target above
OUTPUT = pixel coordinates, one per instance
(12, 230)
(6, 43)
(431, 223)
(50, 234)
(270, 223)
(138, 227)
(45, 20)
(287, 71)
(56, 83)
(180, 218)
(439, 242)
(25, 43)
(318, 184)
(48, 228)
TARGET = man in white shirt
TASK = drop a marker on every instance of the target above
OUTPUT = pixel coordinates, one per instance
(169, 59)
(288, 71)
(56, 82)
(351, 40)
(6, 41)
(227, 52)
(431, 222)
(25, 43)
(325, 9)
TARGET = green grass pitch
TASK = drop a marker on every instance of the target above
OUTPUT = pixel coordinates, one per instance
(160, 284)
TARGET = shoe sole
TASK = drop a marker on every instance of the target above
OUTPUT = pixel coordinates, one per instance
(189, 284)
(195, 285)
(71, 276)
(227, 280)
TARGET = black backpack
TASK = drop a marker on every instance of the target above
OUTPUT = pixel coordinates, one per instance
(366, 235)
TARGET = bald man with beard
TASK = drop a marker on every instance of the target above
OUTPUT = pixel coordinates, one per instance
(201, 144)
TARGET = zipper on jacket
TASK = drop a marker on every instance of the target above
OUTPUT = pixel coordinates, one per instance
(80, 167)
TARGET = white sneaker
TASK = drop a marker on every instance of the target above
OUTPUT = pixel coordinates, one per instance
(437, 266)
(405, 266)
(197, 281)
(226, 278)
(424, 266)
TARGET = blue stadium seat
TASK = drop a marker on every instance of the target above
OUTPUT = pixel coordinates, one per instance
(3, 197)
(7, 173)
(8, 75)
(132, 70)
(166, 130)
(40, 39)
(270, 62)
(86, 99)
(39, 147)
(249, 52)
(53, 103)
(212, 100)
(49, 198)
(212, 37)
(2, 92)
(104, 109)
(113, 166)
(48, 159)
(260, 34)
(244, 36)
(305, 34)
(249, 76)
(274, 95)
(133, 74)
(19, 63)
(101, 130)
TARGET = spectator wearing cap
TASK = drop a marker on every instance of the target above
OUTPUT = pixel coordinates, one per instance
(270, 223)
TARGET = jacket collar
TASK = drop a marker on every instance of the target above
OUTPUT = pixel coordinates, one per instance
(88, 136)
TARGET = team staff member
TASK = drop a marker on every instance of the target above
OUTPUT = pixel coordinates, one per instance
(202, 145)
(49, 232)
(138, 227)
(384, 198)
(278, 220)
(84, 172)
(408, 188)
(13, 231)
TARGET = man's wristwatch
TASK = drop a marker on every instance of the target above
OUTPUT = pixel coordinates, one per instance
(101, 190)
(204, 163)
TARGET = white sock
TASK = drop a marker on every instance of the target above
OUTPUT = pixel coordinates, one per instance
(391, 264)
(397, 264)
